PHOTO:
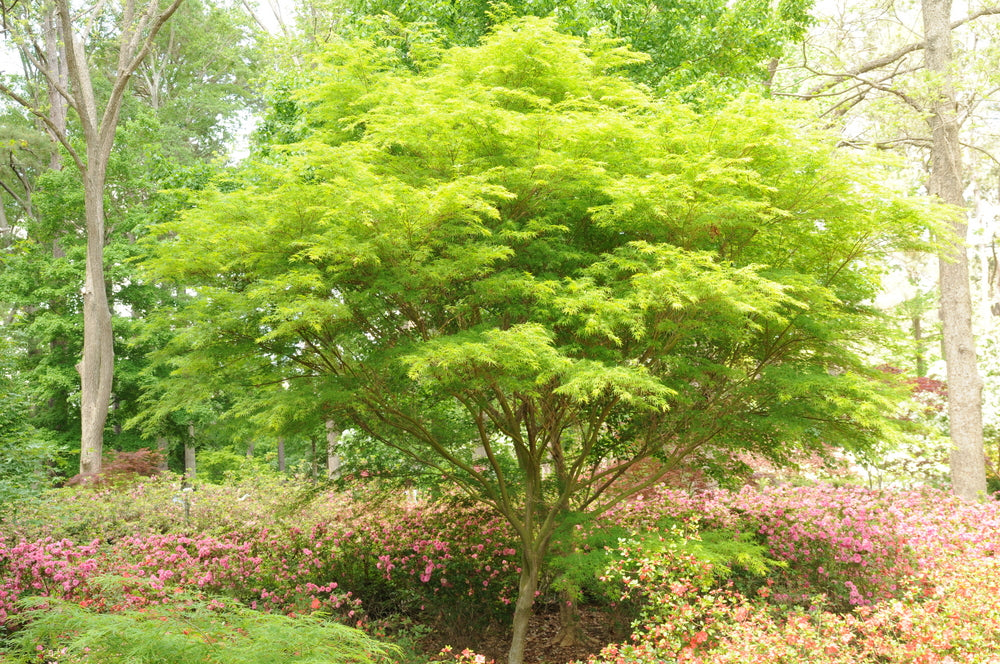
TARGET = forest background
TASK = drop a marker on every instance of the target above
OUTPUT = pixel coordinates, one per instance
(683, 327)
(867, 110)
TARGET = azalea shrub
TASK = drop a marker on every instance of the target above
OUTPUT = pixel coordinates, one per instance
(46, 567)
(357, 555)
(448, 560)
(944, 609)
(782, 574)
(159, 504)
(956, 619)
(844, 544)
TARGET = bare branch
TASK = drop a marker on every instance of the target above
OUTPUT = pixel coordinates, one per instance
(51, 77)
(121, 81)
(253, 15)
(914, 141)
(898, 54)
(23, 202)
(9, 92)
(907, 99)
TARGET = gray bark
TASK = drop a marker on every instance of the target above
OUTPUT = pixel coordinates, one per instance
(163, 449)
(968, 470)
(55, 60)
(4, 224)
(97, 365)
(332, 458)
(138, 28)
(190, 457)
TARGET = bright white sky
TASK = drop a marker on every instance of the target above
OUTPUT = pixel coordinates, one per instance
(268, 12)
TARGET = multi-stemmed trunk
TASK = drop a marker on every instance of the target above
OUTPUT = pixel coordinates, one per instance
(531, 563)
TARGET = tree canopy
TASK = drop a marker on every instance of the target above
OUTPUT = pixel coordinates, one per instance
(177, 115)
(707, 47)
(523, 270)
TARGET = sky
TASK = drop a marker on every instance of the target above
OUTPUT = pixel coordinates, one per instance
(267, 11)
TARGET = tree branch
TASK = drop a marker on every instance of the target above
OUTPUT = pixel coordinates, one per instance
(9, 92)
(126, 70)
(889, 58)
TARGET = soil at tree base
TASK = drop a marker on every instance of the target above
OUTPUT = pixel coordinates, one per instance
(540, 649)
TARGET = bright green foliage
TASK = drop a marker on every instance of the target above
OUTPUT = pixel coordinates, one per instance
(707, 47)
(195, 632)
(521, 240)
(180, 116)
(27, 455)
(515, 255)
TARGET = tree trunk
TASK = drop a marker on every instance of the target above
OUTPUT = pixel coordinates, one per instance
(163, 449)
(97, 366)
(281, 454)
(570, 625)
(4, 224)
(190, 458)
(968, 470)
(332, 458)
(528, 584)
(314, 459)
(55, 58)
(918, 345)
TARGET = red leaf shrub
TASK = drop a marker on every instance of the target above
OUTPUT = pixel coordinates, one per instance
(122, 467)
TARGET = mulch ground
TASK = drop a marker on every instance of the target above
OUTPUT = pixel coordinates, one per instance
(540, 648)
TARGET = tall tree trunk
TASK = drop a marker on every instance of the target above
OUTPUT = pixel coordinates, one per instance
(314, 460)
(55, 58)
(98, 129)
(163, 448)
(281, 454)
(97, 366)
(918, 345)
(968, 470)
(190, 457)
(4, 224)
(332, 458)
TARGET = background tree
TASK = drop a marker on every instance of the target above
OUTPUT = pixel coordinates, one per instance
(965, 387)
(709, 48)
(513, 260)
(28, 459)
(871, 77)
(178, 118)
(98, 121)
